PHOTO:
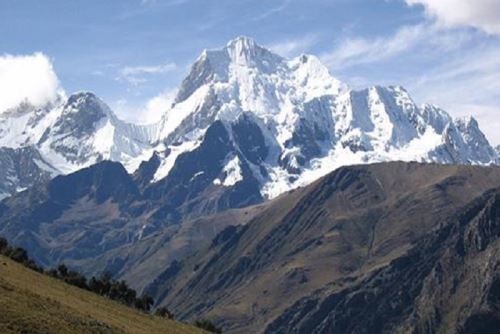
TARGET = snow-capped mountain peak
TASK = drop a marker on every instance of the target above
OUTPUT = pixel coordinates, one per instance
(309, 72)
(244, 51)
(279, 124)
(68, 134)
(245, 77)
(303, 121)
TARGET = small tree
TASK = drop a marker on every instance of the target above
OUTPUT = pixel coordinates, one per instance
(3, 245)
(53, 273)
(208, 326)
(95, 285)
(164, 313)
(76, 279)
(144, 303)
(62, 270)
(106, 280)
(18, 254)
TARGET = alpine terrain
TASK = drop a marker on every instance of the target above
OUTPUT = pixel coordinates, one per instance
(382, 248)
(283, 123)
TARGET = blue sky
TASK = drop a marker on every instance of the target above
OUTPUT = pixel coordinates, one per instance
(130, 52)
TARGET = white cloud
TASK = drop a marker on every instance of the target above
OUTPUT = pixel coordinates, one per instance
(27, 78)
(150, 112)
(136, 75)
(293, 47)
(158, 105)
(481, 14)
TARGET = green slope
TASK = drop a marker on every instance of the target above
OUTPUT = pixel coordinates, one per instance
(34, 303)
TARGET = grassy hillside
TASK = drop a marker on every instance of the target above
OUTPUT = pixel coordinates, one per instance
(34, 303)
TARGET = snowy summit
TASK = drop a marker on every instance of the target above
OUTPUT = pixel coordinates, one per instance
(287, 122)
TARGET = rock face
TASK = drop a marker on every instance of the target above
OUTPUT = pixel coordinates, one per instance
(391, 247)
(288, 122)
(200, 173)
(21, 168)
(448, 282)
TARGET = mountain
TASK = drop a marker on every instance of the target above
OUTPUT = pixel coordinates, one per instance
(292, 264)
(64, 136)
(237, 157)
(36, 303)
(448, 282)
(389, 247)
(101, 218)
(283, 123)
(290, 122)
(72, 213)
(21, 168)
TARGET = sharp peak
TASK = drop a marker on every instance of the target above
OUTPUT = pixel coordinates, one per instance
(242, 51)
(309, 60)
(83, 92)
(305, 57)
(398, 88)
(87, 97)
(386, 89)
(83, 95)
(392, 88)
(467, 121)
(248, 46)
(243, 42)
(429, 105)
(238, 43)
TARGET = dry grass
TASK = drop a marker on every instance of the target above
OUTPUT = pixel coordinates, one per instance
(34, 303)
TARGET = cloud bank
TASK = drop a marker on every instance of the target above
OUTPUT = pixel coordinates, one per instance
(480, 14)
(27, 78)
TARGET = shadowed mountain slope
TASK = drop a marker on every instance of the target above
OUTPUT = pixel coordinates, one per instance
(103, 219)
(447, 283)
(331, 236)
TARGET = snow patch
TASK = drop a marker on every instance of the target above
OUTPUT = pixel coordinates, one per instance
(168, 162)
(232, 171)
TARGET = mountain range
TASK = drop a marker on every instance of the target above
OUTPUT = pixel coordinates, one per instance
(270, 197)
(284, 123)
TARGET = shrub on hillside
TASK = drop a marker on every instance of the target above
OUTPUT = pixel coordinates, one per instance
(208, 326)
(164, 313)
(104, 285)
